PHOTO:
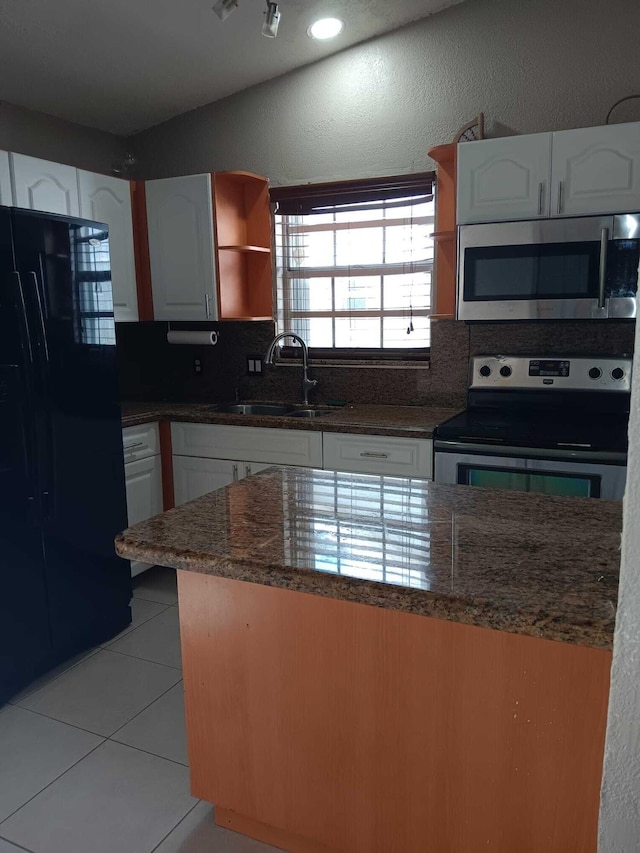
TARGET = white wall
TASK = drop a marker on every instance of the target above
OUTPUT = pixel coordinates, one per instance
(620, 805)
(530, 65)
(40, 135)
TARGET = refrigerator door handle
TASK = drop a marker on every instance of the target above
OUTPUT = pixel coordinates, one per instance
(41, 316)
(47, 495)
(23, 309)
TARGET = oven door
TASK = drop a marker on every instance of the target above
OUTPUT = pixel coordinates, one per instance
(538, 270)
(568, 478)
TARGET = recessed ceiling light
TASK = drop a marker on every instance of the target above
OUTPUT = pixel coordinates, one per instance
(326, 28)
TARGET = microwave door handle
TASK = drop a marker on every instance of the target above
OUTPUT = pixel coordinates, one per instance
(602, 279)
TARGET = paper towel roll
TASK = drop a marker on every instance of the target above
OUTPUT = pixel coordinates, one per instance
(200, 337)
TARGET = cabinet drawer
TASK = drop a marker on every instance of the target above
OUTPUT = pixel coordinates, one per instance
(378, 454)
(251, 444)
(139, 442)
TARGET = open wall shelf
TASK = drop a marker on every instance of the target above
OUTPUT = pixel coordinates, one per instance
(443, 302)
(243, 243)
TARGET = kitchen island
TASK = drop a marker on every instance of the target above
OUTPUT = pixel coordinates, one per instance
(378, 665)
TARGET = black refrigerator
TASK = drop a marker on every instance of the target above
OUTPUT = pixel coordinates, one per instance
(62, 490)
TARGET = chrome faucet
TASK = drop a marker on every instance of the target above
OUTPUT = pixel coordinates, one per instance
(307, 384)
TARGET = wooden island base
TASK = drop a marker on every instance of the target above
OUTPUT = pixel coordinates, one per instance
(320, 725)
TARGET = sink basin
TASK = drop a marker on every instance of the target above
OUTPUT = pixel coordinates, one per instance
(308, 413)
(255, 408)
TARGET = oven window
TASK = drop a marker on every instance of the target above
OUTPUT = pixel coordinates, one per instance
(566, 485)
(537, 271)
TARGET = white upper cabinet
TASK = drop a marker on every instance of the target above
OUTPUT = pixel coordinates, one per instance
(596, 170)
(181, 248)
(504, 179)
(6, 193)
(108, 199)
(583, 172)
(42, 185)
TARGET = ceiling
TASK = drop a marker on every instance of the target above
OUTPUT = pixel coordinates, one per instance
(125, 65)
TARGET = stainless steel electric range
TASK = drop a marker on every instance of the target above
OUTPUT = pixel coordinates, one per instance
(550, 424)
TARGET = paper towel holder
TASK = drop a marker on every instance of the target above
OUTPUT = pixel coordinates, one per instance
(193, 337)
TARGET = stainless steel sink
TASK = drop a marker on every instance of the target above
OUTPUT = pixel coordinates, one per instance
(255, 408)
(308, 413)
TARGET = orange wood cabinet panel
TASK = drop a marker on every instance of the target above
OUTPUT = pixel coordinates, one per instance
(141, 250)
(345, 727)
(166, 464)
(444, 281)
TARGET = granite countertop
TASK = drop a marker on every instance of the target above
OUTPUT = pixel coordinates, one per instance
(516, 562)
(410, 421)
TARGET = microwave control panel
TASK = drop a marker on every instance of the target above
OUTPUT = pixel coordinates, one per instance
(578, 373)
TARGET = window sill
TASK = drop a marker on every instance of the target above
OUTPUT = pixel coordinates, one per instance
(369, 364)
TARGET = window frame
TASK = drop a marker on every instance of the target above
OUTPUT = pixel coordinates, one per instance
(316, 198)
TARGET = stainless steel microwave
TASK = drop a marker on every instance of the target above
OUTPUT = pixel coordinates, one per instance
(553, 269)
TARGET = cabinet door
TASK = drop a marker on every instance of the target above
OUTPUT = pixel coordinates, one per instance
(249, 468)
(144, 495)
(180, 223)
(596, 170)
(108, 199)
(193, 477)
(42, 185)
(6, 192)
(506, 178)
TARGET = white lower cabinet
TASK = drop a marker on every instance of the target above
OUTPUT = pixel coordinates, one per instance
(143, 477)
(210, 456)
(194, 477)
(251, 444)
(378, 454)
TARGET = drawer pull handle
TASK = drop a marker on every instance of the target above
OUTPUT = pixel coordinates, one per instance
(136, 444)
(370, 454)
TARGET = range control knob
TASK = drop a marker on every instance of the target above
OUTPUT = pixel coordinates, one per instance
(505, 371)
(595, 373)
(617, 373)
(485, 370)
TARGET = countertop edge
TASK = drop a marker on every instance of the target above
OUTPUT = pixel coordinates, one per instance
(417, 602)
(329, 423)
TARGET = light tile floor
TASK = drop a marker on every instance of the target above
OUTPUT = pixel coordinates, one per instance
(93, 757)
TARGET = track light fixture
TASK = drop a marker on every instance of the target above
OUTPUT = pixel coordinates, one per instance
(223, 8)
(271, 20)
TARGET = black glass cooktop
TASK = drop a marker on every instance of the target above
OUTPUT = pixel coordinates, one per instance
(534, 426)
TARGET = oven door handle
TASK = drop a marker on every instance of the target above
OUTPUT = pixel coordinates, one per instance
(610, 456)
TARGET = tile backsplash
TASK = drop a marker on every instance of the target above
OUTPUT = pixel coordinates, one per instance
(152, 369)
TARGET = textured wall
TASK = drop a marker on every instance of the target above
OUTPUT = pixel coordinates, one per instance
(620, 806)
(39, 135)
(531, 65)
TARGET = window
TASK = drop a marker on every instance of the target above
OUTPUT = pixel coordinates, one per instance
(354, 266)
